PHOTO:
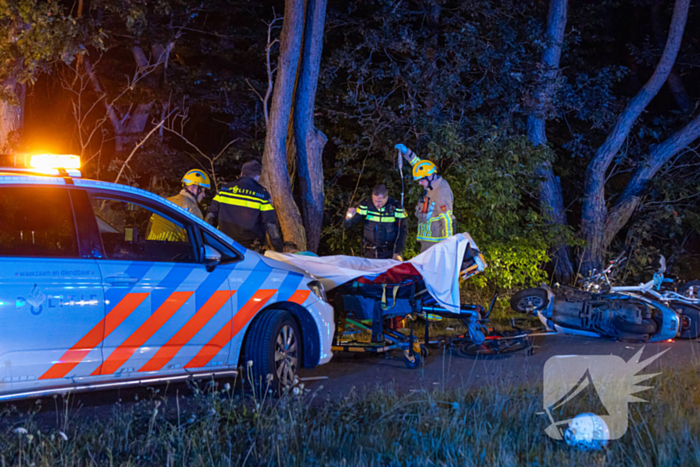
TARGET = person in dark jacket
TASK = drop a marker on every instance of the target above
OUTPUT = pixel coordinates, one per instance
(385, 225)
(244, 210)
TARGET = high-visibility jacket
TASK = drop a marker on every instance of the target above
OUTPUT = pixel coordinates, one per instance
(385, 228)
(243, 208)
(164, 230)
(434, 212)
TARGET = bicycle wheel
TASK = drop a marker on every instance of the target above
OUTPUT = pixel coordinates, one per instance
(495, 348)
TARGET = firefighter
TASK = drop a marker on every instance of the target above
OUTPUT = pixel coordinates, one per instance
(195, 183)
(244, 210)
(434, 210)
(385, 225)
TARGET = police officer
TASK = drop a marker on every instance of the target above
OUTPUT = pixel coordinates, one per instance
(244, 210)
(195, 183)
(385, 223)
(434, 210)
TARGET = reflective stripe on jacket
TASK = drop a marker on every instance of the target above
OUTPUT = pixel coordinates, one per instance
(164, 230)
(385, 227)
(243, 208)
(434, 212)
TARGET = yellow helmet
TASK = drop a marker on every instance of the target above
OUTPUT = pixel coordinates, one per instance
(423, 169)
(196, 177)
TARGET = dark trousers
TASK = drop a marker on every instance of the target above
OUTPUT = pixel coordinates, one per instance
(370, 251)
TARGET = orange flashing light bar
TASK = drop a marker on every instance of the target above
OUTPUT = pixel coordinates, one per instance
(45, 163)
(54, 161)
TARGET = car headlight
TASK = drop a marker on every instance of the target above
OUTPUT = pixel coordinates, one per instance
(317, 288)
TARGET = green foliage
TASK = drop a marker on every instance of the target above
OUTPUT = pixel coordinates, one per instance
(459, 103)
(514, 263)
(33, 35)
(456, 88)
(667, 223)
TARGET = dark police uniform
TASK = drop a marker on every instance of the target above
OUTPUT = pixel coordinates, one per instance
(243, 208)
(385, 230)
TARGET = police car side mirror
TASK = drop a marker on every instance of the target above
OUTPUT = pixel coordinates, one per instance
(212, 258)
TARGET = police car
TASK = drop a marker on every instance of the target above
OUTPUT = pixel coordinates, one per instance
(88, 301)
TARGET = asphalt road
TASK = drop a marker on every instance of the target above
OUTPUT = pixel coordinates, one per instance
(445, 369)
(365, 372)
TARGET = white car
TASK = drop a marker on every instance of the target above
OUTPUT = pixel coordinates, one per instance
(87, 301)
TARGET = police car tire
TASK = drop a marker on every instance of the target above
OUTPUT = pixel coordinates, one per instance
(260, 346)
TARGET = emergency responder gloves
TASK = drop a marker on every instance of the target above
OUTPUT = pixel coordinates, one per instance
(402, 148)
(407, 154)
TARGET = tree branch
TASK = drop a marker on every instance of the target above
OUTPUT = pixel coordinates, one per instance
(141, 143)
(268, 66)
(594, 210)
(636, 106)
(210, 159)
(628, 202)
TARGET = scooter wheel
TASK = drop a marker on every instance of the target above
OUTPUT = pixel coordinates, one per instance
(646, 327)
(529, 300)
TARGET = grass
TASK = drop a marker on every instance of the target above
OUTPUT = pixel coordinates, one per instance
(496, 425)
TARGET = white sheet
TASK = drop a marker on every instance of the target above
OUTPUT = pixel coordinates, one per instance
(439, 266)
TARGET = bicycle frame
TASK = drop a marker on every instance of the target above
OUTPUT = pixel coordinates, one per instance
(653, 288)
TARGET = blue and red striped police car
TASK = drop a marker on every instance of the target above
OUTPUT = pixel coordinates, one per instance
(88, 301)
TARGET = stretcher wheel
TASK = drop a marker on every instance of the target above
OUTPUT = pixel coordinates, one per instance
(494, 348)
(442, 342)
(411, 359)
(424, 351)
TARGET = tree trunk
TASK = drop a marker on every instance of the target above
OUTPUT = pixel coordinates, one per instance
(129, 129)
(11, 116)
(594, 209)
(275, 176)
(309, 140)
(625, 206)
(674, 81)
(551, 199)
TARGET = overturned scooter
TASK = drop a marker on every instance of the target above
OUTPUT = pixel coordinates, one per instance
(612, 314)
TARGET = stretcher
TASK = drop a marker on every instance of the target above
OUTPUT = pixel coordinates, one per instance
(369, 304)
(368, 293)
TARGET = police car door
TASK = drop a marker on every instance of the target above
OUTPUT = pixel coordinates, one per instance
(162, 303)
(51, 300)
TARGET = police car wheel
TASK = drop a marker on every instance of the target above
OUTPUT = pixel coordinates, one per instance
(274, 346)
